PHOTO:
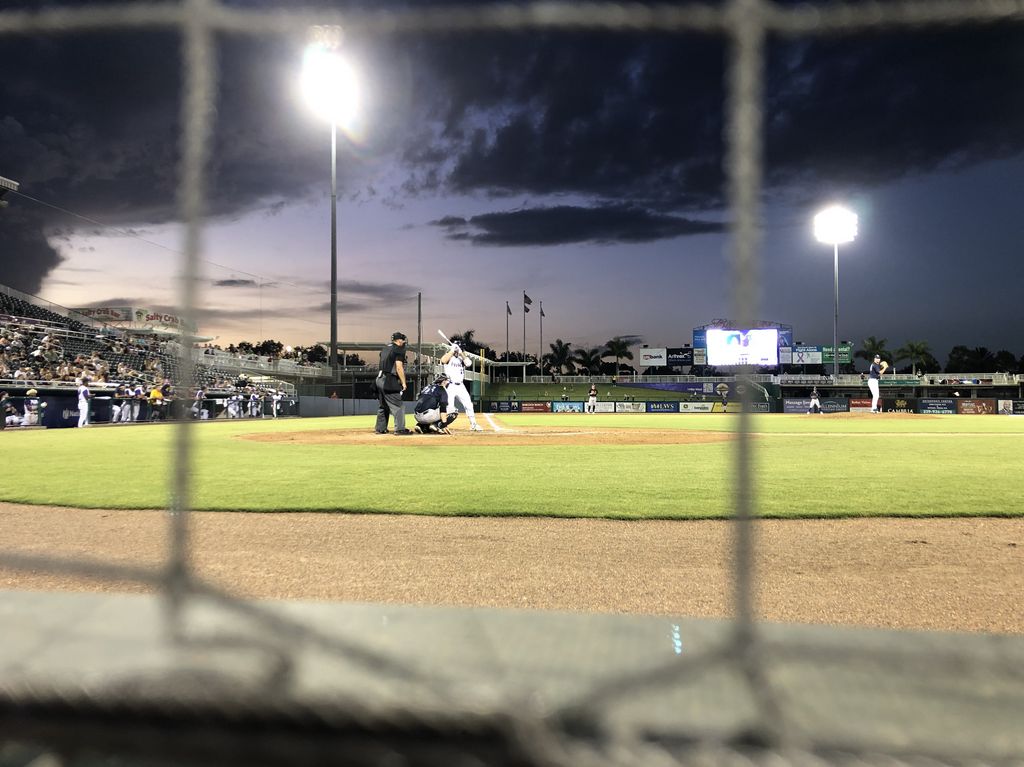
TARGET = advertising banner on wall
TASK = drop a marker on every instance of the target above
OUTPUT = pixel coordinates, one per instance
(687, 386)
(976, 406)
(1005, 407)
(662, 407)
(700, 356)
(898, 404)
(503, 406)
(845, 350)
(1018, 407)
(860, 404)
(679, 356)
(604, 407)
(937, 406)
(700, 338)
(696, 407)
(651, 358)
(758, 407)
(731, 407)
(630, 407)
(828, 404)
(785, 355)
(107, 313)
(566, 407)
(806, 355)
(535, 407)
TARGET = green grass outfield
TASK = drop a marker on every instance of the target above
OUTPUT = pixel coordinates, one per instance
(806, 466)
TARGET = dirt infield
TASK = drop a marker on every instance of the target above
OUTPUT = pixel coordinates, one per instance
(956, 574)
(547, 436)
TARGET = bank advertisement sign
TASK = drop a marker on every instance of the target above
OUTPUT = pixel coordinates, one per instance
(651, 358)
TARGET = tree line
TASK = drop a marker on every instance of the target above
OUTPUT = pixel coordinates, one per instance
(565, 359)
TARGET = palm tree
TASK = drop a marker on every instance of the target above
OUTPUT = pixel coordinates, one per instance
(560, 356)
(619, 349)
(589, 359)
(467, 340)
(871, 347)
(915, 351)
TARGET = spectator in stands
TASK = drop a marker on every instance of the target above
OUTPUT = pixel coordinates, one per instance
(156, 404)
(8, 412)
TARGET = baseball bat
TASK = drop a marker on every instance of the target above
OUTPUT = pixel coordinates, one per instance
(468, 354)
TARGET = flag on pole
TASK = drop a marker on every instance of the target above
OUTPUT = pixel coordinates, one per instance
(508, 308)
(526, 302)
(542, 310)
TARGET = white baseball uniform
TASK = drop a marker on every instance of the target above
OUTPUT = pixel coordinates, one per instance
(455, 369)
(83, 405)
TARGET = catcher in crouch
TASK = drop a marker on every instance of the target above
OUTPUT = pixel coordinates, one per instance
(429, 407)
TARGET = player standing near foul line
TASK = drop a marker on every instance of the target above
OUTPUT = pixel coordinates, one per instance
(455, 363)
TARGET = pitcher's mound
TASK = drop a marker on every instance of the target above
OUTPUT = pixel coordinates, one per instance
(534, 435)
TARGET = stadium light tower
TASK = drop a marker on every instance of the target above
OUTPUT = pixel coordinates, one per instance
(835, 226)
(6, 185)
(330, 88)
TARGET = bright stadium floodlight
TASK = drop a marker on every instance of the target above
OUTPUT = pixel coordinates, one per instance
(329, 86)
(835, 226)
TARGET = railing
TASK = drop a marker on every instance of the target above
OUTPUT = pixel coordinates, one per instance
(254, 363)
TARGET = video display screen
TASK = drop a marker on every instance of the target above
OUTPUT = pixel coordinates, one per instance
(743, 347)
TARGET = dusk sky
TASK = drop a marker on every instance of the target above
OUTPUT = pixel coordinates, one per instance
(585, 168)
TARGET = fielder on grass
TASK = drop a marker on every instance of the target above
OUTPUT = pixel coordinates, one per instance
(455, 362)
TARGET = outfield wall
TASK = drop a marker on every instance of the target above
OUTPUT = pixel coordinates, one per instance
(933, 406)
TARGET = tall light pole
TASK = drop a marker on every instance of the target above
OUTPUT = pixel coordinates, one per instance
(330, 88)
(835, 226)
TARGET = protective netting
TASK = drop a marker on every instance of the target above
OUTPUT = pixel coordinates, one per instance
(198, 718)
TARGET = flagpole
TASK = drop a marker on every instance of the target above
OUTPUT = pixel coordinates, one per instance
(524, 336)
(540, 356)
(508, 313)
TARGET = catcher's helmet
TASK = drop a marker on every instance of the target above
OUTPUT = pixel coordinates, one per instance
(441, 379)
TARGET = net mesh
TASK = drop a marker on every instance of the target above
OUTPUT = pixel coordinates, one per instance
(431, 723)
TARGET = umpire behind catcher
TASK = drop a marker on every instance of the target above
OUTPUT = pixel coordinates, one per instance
(391, 385)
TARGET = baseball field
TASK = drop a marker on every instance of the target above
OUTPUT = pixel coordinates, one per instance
(616, 466)
(895, 521)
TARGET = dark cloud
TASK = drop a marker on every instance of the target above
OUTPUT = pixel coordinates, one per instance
(25, 255)
(566, 224)
(234, 283)
(91, 122)
(640, 119)
(379, 291)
